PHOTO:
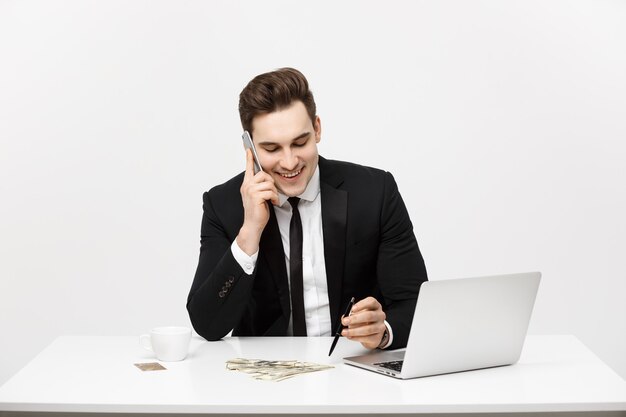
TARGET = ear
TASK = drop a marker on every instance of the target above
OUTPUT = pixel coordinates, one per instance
(318, 129)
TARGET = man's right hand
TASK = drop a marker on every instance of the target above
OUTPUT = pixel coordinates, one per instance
(256, 190)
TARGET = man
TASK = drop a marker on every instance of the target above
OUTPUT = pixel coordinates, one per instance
(273, 265)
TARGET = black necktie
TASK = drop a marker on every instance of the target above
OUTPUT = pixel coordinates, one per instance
(295, 269)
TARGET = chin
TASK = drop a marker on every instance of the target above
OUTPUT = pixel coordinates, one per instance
(293, 191)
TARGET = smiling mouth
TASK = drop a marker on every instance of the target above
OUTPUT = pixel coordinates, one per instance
(290, 174)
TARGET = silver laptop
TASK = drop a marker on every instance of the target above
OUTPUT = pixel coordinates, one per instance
(460, 325)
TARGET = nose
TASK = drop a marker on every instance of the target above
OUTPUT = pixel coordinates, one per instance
(290, 161)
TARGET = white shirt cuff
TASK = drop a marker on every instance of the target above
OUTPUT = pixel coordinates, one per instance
(246, 261)
(390, 341)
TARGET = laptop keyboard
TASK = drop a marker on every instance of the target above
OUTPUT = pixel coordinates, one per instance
(393, 365)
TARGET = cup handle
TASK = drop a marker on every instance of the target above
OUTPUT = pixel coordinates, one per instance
(145, 342)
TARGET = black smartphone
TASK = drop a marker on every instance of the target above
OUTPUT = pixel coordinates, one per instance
(247, 143)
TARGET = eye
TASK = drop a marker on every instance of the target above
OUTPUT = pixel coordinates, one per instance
(300, 142)
(270, 149)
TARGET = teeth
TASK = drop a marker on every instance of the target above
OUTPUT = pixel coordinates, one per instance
(293, 174)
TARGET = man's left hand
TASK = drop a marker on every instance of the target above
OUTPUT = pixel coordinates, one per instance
(366, 323)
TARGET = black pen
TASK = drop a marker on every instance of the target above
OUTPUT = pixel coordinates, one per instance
(340, 328)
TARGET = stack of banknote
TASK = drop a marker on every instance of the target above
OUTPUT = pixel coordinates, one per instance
(273, 370)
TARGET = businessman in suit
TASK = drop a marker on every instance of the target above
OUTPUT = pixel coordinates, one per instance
(283, 250)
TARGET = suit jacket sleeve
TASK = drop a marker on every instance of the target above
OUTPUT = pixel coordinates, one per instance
(400, 266)
(221, 289)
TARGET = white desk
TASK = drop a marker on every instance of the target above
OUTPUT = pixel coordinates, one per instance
(96, 374)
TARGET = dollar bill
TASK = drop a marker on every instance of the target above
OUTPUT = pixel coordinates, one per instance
(273, 370)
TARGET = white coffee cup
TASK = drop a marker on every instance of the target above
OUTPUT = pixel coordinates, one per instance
(170, 344)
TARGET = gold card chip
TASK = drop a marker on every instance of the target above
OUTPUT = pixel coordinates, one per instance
(150, 366)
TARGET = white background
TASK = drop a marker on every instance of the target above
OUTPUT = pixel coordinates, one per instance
(504, 123)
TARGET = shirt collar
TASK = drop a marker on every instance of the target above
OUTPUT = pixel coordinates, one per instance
(310, 192)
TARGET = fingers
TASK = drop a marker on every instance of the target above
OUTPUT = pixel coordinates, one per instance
(259, 188)
(369, 335)
(369, 303)
(256, 190)
(249, 165)
(251, 180)
(366, 323)
(365, 311)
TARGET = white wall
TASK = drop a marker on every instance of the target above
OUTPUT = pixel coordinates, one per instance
(503, 122)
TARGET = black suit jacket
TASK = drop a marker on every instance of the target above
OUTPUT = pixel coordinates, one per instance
(369, 249)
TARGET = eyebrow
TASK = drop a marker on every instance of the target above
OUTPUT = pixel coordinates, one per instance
(300, 136)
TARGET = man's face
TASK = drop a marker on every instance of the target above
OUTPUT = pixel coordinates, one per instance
(286, 142)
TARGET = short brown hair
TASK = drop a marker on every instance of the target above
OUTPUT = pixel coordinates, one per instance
(274, 91)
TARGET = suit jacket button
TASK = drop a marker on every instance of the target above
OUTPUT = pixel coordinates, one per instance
(222, 294)
(228, 284)
(231, 279)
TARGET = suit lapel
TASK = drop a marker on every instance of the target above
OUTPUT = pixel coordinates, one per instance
(334, 218)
